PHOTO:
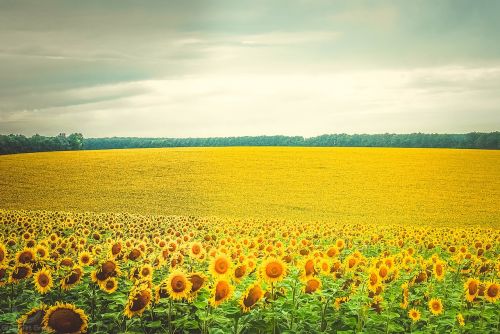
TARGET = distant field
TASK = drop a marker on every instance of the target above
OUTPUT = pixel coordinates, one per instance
(367, 185)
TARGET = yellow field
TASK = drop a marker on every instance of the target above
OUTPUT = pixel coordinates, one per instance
(359, 185)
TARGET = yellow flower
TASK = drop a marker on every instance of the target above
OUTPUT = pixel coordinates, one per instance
(222, 291)
(43, 281)
(436, 306)
(220, 266)
(65, 318)
(414, 315)
(251, 296)
(272, 270)
(178, 285)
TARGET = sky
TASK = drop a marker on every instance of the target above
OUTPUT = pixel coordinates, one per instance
(263, 67)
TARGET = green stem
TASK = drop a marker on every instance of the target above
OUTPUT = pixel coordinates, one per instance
(170, 316)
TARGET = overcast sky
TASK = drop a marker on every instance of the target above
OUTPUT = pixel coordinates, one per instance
(226, 68)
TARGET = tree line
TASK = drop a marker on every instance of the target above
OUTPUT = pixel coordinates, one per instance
(478, 140)
(21, 144)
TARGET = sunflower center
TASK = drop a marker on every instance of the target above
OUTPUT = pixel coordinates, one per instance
(221, 291)
(221, 266)
(492, 291)
(197, 282)
(473, 288)
(178, 284)
(43, 280)
(141, 300)
(65, 321)
(274, 270)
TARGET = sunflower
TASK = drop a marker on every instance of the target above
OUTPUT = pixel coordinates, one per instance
(374, 280)
(439, 270)
(460, 320)
(272, 270)
(308, 268)
(139, 298)
(19, 272)
(65, 318)
(32, 321)
(471, 289)
(197, 280)
(109, 285)
(27, 255)
(491, 291)
(312, 284)
(414, 315)
(222, 291)
(146, 271)
(251, 297)
(220, 265)
(85, 259)
(43, 280)
(196, 250)
(3, 253)
(41, 252)
(178, 284)
(436, 306)
(239, 272)
(72, 278)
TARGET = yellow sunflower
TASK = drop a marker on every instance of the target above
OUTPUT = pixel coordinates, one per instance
(220, 265)
(251, 297)
(273, 270)
(138, 300)
(222, 291)
(43, 280)
(3, 253)
(491, 291)
(72, 278)
(436, 306)
(65, 318)
(32, 321)
(471, 289)
(414, 315)
(20, 272)
(178, 284)
(109, 285)
(312, 284)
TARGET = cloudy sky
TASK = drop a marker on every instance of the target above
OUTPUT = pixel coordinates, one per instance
(224, 68)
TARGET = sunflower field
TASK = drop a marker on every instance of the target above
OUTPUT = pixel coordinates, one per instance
(68, 272)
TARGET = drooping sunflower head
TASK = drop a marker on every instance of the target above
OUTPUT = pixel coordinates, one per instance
(20, 272)
(65, 318)
(471, 289)
(32, 321)
(25, 256)
(222, 291)
(251, 297)
(439, 270)
(43, 280)
(138, 301)
(178, 284)
(220, 265)
(72, 278)
(312, 284)
(197, 280)
(273, 270)
(435, 306)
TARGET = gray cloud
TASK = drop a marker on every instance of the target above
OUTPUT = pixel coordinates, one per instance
(198, 68)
